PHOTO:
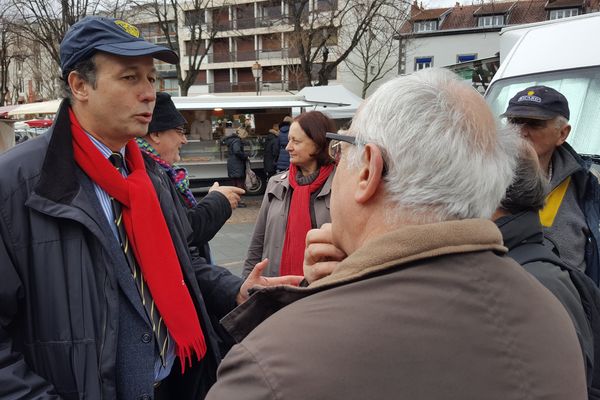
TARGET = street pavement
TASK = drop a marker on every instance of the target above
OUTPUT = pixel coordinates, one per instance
(229, 246)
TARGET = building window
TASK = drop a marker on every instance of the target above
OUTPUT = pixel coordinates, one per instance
(194, 17)
(170, 86)
(425, 26)
(325, 5)
(423, 62)
(460, 58)
(490, 20)
(567, 12)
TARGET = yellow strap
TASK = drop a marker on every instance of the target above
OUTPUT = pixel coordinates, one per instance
(553, 202)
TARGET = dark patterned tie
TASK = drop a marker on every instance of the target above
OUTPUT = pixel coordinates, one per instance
(158, 326)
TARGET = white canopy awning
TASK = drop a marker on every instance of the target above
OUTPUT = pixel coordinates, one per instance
(211, 102)
(332, 94)
(43, 107)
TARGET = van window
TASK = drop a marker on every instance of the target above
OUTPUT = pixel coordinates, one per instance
(581, 87)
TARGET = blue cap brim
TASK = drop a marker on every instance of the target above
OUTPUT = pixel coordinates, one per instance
(140, 48)
(529, 112)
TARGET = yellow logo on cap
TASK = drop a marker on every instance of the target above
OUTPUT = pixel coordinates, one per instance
(530, 93)
(127, 27)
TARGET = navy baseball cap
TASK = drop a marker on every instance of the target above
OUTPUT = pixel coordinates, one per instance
(113, 36)
(537, 102)
(165, 116)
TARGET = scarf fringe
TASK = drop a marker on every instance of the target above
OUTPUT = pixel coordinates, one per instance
(184, 353)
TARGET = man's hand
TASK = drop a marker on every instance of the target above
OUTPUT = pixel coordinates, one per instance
(232, 193)
(256, 279)
(321, 256)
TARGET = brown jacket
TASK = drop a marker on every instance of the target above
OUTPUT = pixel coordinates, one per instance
(269, 232)
(425, 312)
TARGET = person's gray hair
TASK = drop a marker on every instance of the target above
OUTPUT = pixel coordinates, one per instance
(86, 70)
(560, 121)
(530, 186)
(447, 158)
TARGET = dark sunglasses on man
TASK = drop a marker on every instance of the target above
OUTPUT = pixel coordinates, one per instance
(529, 122)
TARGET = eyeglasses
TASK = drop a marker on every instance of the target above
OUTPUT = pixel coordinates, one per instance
(335, 147)
(531, 123)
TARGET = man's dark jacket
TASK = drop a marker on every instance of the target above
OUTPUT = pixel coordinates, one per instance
(588, 196)
(523, 231)
(207, 218)
(71, 323)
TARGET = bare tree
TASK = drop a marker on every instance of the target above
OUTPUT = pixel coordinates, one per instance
(7, 38)
(42, 72)
(46, 21)
(319, 25)
(377, 52)
(196, 26)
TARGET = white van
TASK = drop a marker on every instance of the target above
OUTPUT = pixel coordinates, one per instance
(563, 54)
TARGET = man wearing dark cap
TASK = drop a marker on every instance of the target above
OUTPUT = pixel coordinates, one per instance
(100, 297)
(166, 135)
(570, 216)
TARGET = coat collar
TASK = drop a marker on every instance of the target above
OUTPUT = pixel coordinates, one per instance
(416, 242)
(58, 180)
(407, 244)
(281, 185)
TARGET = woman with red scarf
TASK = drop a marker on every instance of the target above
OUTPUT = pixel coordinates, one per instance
(296, 200)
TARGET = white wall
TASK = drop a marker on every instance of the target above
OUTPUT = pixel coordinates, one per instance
(445, 49)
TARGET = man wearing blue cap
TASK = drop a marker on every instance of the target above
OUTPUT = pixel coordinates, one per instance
(571, 214)
(100, 297)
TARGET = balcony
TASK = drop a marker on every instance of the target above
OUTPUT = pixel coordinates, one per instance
(249, 23)
(252, 55)
(266, 86)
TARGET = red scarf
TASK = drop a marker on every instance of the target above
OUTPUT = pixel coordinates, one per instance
(298, 223)
(150, 239)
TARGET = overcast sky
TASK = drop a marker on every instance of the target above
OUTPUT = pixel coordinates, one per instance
(440, 3)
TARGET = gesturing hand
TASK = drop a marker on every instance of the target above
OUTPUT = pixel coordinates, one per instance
(255, 279)
(232, 193)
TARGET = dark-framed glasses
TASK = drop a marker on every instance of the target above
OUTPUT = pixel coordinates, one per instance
(335, 145)
(180, 130)
(529, 122)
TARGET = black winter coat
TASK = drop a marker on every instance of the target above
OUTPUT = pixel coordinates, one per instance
(206, 219)
(59, 294)
(236, 158)
(525, 228)
(283, 162)
(271, 154)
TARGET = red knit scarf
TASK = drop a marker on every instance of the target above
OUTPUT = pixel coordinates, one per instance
(149, 237)
(298, 223)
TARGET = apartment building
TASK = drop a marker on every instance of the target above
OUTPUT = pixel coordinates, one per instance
(246, 38)
(241, 36)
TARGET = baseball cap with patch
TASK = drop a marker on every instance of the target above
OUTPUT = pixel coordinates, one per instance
(113, 36)
(537, 102)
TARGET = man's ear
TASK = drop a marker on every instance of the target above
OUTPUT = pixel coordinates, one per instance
(154, 137)
(564, 134)
(370, 173)
(79, 87)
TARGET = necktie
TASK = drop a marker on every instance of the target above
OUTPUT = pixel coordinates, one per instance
(158, 326)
